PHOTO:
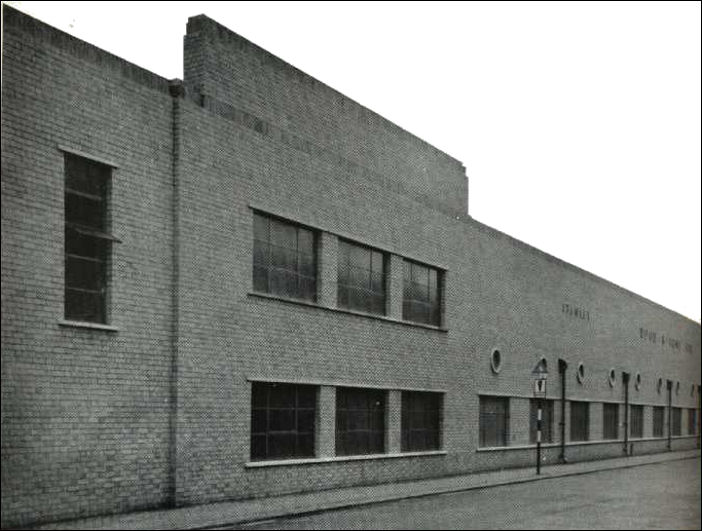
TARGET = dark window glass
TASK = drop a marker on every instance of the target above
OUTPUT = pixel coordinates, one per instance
(691, 421)
(637, 421)
(284, 260)
(610, 421)
(658, 420)
(421, 421)
(87, 243)
(361, 281)
(421, 294)
(360, 421)
(494, 421)
(282, 420)
(546, 421)
(579, 421)
(677, 418)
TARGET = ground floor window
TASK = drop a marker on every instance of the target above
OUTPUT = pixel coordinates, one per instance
(579, 421)
(421, 421)
(637, 421)
(282, 420)
(494, 421)
(360, 421)
(677, 421)
(546, 421)
(691, 421)
(658, 420)
(610, 420)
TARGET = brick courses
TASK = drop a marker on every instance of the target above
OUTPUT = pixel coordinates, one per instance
(157, 413)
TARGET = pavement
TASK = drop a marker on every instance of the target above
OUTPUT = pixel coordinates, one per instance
(232, 513)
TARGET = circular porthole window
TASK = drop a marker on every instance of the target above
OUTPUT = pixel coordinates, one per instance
(580, 374)
(659, 386)
(612, 377)
(677, 388)
(496, 361)
(637, 381)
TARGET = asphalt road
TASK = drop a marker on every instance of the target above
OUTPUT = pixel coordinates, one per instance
(659, 496)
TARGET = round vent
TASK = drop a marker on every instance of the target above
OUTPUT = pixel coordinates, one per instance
(580, 374)
(496, 361)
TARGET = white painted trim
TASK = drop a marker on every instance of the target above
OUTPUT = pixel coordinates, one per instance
(340, 459)
(91, 326)
(85, 155)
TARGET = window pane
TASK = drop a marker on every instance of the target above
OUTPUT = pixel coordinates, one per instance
(305, 242)
(281, 445)
(283, 235)
(421, 294)
(86, 176)
(378, 281)
(360, 421)
(285, 255)
(360, 257)
(85, 211)
(261, 253)
(281, 419)
(281, 425)
(84, 273)
(260, 279)
(84, 306)
(259, 421)
(261, 225)
(84, 245)
(421, 415)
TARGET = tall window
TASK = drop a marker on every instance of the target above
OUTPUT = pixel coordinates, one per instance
(637, 421)
(282, 420)
(546, 421)
(361, 283)
(284, 259)
(421, 294)
(87, 242)
(677, 421)
(658, 420)
(360, 421)
(421, 421)
(691, 421)
(494, 421)
(610, 421)
(579, 421)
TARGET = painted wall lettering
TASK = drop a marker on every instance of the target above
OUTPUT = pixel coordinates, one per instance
(575, 311)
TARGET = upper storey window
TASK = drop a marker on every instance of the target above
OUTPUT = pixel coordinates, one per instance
(87, 242)
(422, 294)
(361, 284)
(284, 259)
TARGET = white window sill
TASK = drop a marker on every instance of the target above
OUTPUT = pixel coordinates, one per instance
(339, 459)
(89, 326)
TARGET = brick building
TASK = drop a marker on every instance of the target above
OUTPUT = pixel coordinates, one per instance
(244, 284)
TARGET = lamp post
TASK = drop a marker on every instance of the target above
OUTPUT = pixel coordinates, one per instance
(540, 373)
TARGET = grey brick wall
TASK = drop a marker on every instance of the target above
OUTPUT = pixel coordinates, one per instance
(158, 412)
(85, 413)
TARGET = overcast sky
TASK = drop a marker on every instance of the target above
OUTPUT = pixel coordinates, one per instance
(578, 123)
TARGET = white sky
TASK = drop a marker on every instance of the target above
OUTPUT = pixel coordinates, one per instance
(578, 123)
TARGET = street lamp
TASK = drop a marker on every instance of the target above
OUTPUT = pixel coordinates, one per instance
(539, 373)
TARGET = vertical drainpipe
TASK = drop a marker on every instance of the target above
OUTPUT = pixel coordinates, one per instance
(176, 91)
(625, 379)
(669, 387)
(562, 367)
